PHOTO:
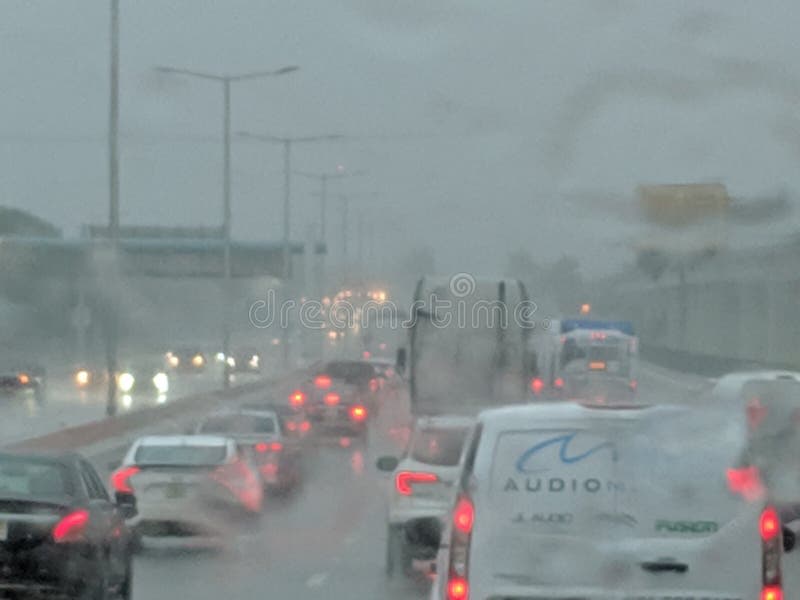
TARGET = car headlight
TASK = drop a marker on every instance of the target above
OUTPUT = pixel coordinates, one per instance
(231, 361)
(82, 378)
(125, 382)
(220, 357)
(198, 360)
(174, 361)
(254, 361)
(161, 382)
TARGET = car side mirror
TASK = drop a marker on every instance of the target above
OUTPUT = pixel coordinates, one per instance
(400, 362)
(387, 463)
(789, 539)
(126, 504)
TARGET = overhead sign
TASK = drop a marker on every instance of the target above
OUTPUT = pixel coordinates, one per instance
(679, 205)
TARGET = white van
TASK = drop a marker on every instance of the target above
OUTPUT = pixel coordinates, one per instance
(565, 501)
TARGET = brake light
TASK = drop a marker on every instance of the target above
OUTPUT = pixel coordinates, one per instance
(262, 447)
(769, 525)
(358, 413)
(772, 592)
(24, 378)
(276, 447)
(458, 589)
(537, 385)
(71, 527)
(404, 481)
(297, 398)
(558, 383)
(464, 515)
(120, 479)
(332, 399)
(746, 482)
(365, 354)
(305, 426)
(322, 382)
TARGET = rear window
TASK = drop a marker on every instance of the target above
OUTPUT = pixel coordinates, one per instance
(239, 424)
(174, 455)
(34, 478)
(350, 372)
(439, 446)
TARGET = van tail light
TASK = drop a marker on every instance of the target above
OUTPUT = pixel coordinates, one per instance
(458, 577)
(558, 383)
(72, 527)
(769, 527)
(358, 413)
(405, 480)
(323, 382)
(120, 479)
(746, 482)
(297, 398)
(537, 385)
(332, 399)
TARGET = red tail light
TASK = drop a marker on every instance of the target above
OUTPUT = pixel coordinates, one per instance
(262, 447)
(297, 398)
(537, 385)
(332, 399)
(72, 527)
(771, 592)
(558, 383)
(464, 515)
(120, 479)
(358, 413)
(322, 382)
(305, 426)
(769, 525)
(746, 482)
(365, 354)
(458, 589)
(276, 447)
(404, 481)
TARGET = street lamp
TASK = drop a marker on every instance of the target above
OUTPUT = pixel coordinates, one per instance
(226, 80)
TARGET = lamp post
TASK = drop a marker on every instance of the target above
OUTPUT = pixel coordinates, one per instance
(226, 80)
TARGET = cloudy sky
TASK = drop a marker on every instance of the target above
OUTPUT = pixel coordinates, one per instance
(484, 126)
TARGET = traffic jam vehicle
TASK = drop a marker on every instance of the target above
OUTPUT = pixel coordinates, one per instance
(191, 486)
(260, 432)
(61, 535)
(584, 501)
(186, 360)
(339, 397)
(30, 379)
(143, 379)
(424, 488)
(245, 360)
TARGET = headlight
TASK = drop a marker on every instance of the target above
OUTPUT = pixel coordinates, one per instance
(125, 382)
(82, 378)
(161, 382)
(198, 360)
(174, 361)
(220, 357)
(231, 361)
(254, 361)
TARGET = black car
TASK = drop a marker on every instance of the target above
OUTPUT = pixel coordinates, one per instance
(20, 379)
(60, 534)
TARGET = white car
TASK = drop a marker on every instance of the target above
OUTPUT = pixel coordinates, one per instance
(570, 501)
(424, 486)
(188, 486)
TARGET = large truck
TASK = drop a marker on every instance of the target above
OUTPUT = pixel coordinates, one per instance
(467, 344)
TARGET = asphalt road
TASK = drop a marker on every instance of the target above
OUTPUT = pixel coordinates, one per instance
(328, 540)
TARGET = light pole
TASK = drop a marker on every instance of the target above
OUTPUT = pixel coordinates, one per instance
(226, 80)
(287, 142)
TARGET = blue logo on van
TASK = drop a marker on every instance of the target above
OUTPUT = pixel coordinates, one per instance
(564, 455)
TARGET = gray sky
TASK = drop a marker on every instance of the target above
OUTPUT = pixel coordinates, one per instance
(503, 109)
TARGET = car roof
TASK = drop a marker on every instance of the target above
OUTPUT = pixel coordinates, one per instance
(64, 458)
(183, 440)
(531, 415)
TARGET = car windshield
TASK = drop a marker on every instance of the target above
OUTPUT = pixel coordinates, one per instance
(33, 478)
(238, 424)
(185, 455)
(438, 446)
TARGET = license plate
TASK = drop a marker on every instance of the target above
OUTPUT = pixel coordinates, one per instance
(3, 531)
(175, 490)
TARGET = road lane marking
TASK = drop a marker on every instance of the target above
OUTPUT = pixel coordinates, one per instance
(317, 580)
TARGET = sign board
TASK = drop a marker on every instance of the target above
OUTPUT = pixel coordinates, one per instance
(679, 205)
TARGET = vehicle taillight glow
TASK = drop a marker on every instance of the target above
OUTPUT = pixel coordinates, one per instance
(322, 382)
(358, 413)
(558, 383)
(120, 479)
(404, 480)
(305, 426)
(261, 447)
(458, 589)
(332, 399)
(71, 527)
(464, 515)
(297, 398)
(537, 385)
(291, 426)
(24, 378)
(276, 447)
(772, 592)
(770, 524)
